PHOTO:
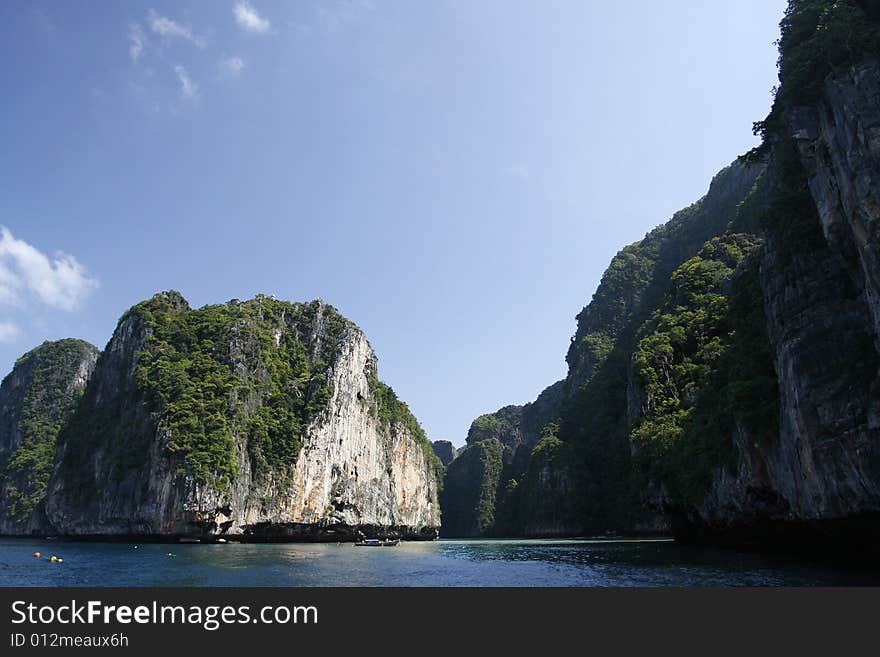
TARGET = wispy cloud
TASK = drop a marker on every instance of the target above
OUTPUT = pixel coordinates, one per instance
(59, 282)
(231, 66)
(136, 41)
(166, 27)
(9, 331)
(9, 286)
(188, 88)
(249, 19)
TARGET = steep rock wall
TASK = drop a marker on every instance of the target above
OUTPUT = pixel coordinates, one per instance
(356, 472)
(36, 398)
(819, 478)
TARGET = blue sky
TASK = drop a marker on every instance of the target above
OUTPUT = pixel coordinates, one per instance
(452, 176)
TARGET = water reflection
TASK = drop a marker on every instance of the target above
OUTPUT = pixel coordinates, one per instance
(438, 563)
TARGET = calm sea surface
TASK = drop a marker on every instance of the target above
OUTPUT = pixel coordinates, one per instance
(438, 563)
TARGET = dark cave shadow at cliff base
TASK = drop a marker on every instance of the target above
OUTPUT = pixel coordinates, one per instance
(838, 541)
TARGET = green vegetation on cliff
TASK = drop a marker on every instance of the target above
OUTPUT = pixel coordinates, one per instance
(209, 409)
(573, 470)
(252, 372)
(237, 368)
(597, 418)
(502, 425)
(637, 277)
(704, 368)
(818, 37)
(231, 368)
(494, 508)
(549, 471)
(671, 359)
(468, 496)
(49, 376)
(215, 380)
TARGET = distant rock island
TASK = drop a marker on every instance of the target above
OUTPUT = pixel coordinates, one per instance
(259, 420)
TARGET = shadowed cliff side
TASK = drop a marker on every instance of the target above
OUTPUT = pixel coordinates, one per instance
(566, 456)
(723, 380)
(36, 399)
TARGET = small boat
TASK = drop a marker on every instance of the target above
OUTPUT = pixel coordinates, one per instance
(375, 542)
(186, 539)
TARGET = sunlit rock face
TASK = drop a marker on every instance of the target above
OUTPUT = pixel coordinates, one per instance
(261, 420)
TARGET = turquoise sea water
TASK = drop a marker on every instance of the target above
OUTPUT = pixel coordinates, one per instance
(437, 563)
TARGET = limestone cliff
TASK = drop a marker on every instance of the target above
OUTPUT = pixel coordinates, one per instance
(36, 399)
(445, 451)
(262, 420)
(816, 477)
(723, 382)
(820, 475)
(566, 456)
(481, 494)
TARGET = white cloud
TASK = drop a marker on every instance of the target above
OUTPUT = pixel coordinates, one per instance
(136, 39)
(168, 28)
(188, 88)
(8, 331)
(9, 286)
(60, 282)
(248, 18)
(231, 66)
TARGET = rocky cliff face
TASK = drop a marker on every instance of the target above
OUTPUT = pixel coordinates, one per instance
(723, 382)
(566, 456)
(470, 488)
(482, 494)
(262, 420)
(445, 451)
(820, 476)
(817, 478)
(638, 276)
(36, 399)
(829, 306)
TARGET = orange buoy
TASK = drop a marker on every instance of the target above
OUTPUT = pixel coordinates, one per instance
(36, 555)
